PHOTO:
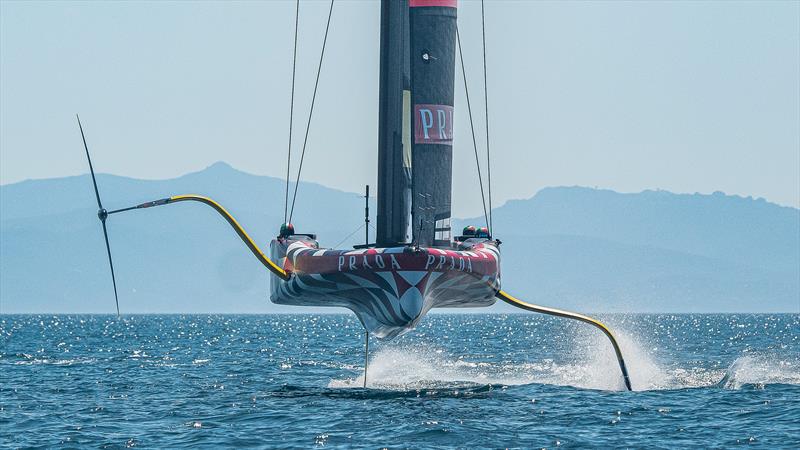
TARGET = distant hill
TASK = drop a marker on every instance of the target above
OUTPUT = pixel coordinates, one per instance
(653, 251)
(587, 249)
(178, 258)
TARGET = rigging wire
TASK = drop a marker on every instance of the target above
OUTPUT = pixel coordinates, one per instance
(311, 111)
(472, 126)
(360, 227)
(291, 112)
(486, 112)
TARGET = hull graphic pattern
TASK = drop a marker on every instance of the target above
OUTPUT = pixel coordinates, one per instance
(389, 289)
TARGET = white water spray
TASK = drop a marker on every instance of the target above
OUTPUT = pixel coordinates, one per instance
(591, 365)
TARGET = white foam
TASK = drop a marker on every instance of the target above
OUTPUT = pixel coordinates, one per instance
(600, 369)
(760, 370)
(592, 364)
(412, 368)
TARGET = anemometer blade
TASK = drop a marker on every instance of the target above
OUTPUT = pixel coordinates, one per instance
(111, 264)
(102, 214)
(91, 168)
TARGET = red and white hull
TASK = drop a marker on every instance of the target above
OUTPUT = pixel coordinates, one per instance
(389, 289)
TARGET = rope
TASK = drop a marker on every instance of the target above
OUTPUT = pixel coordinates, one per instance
(486, 111)
(311, 111)
(349, 236)
(291, 111)
(472, 126)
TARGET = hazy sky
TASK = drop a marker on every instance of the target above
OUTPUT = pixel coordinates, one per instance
(683, 96)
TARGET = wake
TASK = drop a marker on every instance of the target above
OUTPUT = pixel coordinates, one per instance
(591, 366)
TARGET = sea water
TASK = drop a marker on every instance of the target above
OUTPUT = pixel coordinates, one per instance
(458, 380)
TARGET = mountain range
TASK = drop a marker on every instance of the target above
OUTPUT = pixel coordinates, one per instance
(576, 248)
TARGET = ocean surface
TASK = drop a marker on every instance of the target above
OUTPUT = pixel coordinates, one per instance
(460, 380)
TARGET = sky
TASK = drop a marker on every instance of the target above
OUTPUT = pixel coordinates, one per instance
(681, 96)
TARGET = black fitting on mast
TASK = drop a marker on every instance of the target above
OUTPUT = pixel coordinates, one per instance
(366, 217)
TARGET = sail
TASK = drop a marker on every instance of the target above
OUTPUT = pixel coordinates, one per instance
(432, 59)
(394, 134)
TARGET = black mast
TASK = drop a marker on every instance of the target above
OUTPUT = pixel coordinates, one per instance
(433, 60)
(394, 148)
